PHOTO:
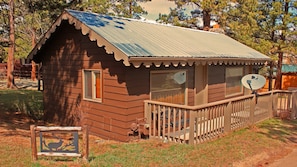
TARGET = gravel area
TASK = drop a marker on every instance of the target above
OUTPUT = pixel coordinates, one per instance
(21, 84)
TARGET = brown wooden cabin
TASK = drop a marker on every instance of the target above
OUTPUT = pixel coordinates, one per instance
(289, 76)
(98, 70)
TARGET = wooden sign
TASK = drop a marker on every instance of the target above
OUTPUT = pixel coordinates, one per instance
(59, 141)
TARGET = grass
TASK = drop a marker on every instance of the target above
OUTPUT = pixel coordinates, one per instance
(268, 136)
(25, 101)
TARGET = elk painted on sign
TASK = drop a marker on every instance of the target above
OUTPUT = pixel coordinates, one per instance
(58, 143)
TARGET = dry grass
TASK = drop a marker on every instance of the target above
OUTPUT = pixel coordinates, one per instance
(254, 146)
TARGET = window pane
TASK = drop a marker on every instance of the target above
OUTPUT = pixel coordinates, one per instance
(168, 87)
(88, 84)
(98, 84)
(233, 80)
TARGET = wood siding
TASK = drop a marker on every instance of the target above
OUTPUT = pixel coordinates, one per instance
(216, 83)
(64, 56)
(289, 81)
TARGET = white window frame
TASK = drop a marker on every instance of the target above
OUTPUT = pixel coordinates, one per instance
(171, 71)
(93, 80)
(241, 87)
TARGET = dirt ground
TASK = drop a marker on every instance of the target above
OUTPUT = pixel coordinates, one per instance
(21, 84)
(282, 157)
(14, 127)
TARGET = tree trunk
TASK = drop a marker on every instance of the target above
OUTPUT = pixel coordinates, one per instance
(130, 8)
(206, 20)
(10, 60)
(33, 71)
(270, 76)
(278, 80)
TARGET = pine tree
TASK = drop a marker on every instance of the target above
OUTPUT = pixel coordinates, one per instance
(268, 26)
(127, 8)
(279, 29)
(96, 6)
(206, 9)
(4, 29)
(242, 24)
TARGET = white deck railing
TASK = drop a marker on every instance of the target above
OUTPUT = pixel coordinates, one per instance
(196, 124)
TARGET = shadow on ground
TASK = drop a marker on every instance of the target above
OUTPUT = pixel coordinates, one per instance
(284, 130)
(20, 107)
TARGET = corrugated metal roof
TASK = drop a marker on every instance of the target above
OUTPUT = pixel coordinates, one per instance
(136, 40)
(289, 68)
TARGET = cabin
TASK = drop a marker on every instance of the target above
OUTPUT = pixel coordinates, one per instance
(98, 70)
(289, 73)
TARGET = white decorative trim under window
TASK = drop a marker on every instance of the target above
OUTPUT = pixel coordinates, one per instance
(92, 85)
(169, 86)
(233, 81)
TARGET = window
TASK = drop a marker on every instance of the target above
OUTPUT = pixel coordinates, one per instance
(92, 85)
(233, 80)
(169, 86)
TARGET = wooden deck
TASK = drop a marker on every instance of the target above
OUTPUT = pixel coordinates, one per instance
(196, 124)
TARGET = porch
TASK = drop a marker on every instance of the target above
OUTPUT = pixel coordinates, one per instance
(197, 124)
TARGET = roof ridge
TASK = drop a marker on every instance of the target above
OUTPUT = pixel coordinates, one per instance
(136, 44)
(143, 21)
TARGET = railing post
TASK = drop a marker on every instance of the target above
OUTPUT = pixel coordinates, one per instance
(289, 99)
(148, 116)
(275, 103)
(252, 109)
(270, 105)
(227, 118)
(192, 127)
(294, 104)
(145, 109)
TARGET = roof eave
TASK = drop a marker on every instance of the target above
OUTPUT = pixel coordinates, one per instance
(110, 49)
(167, 61)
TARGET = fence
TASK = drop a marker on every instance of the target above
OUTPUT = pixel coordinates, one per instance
(3, 70)
(20, 70)
(196, 124)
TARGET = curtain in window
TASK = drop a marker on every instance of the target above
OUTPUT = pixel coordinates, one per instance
(233, 80)
(168, 87)
(98, 85)
(88, 84)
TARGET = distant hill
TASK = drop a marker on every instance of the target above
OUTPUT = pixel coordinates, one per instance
(155, 7)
